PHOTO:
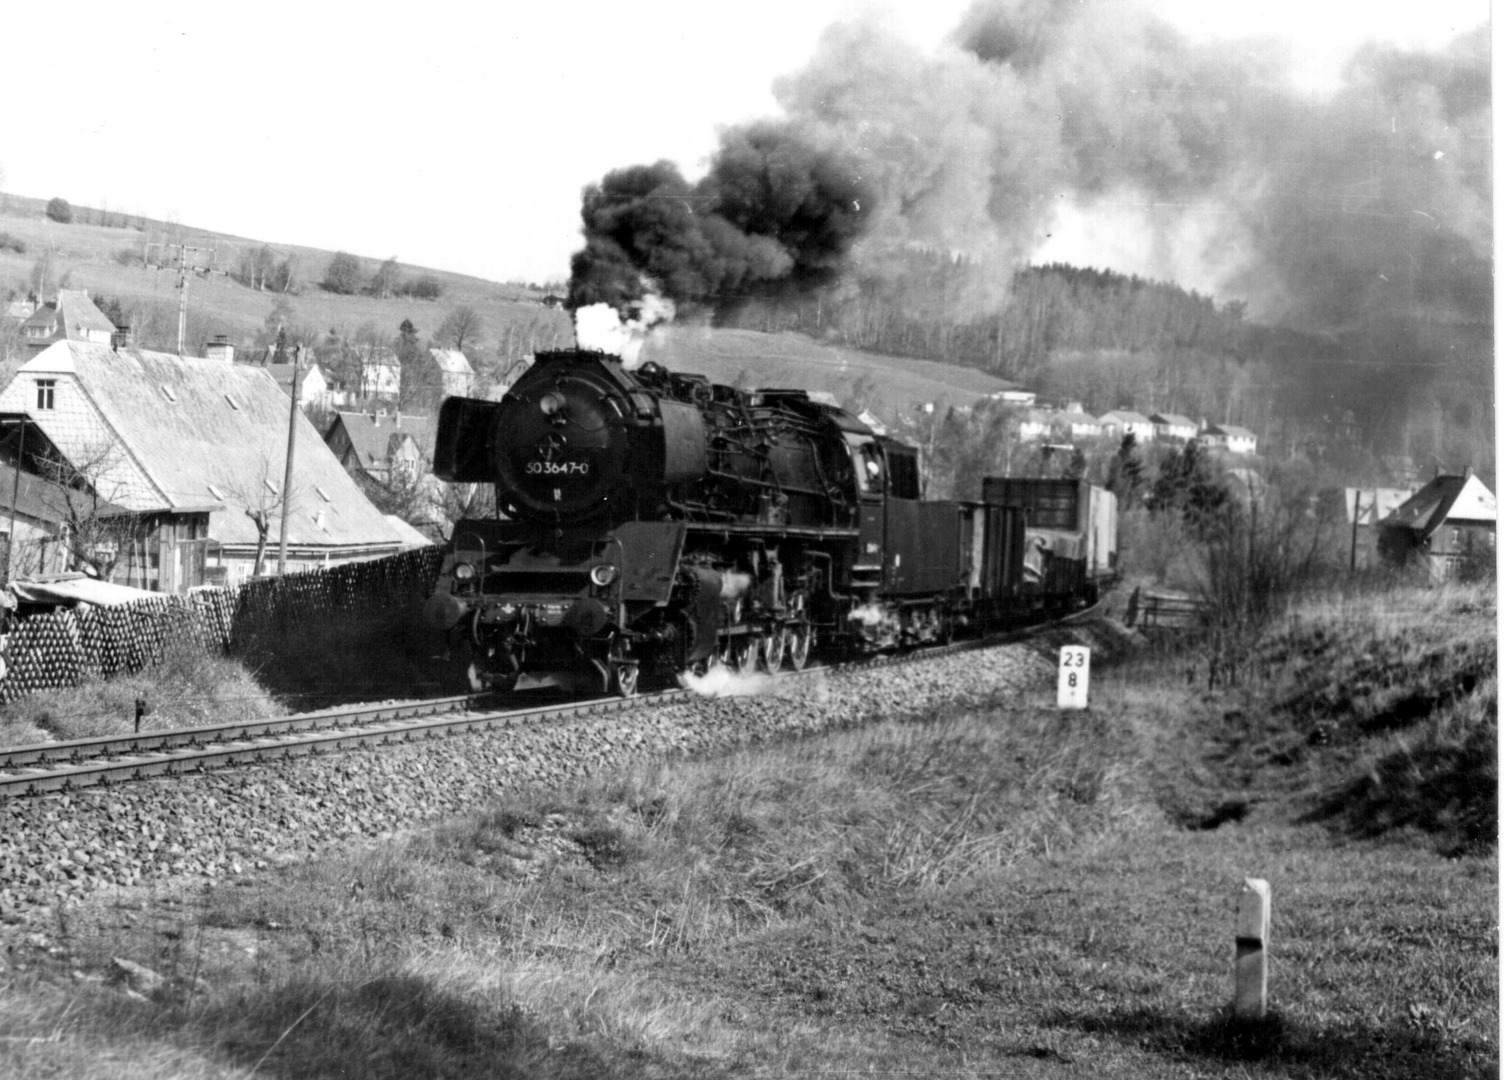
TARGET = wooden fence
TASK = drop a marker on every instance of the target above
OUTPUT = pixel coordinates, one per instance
(62, 647)
(1148, 610)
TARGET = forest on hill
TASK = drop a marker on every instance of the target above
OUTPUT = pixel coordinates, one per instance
(1406, 387)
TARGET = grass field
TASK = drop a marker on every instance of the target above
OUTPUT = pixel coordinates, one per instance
(1011, 891)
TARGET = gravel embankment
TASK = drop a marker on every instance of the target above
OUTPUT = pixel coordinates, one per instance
(207, 826)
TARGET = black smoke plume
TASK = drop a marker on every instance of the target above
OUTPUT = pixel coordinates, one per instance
(1362, 216)
(775, 215)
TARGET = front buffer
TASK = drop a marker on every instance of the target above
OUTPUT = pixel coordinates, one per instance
(582, 609)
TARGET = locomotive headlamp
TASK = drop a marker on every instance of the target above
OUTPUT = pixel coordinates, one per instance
(463, 571)
(603, 574)
(552, 403)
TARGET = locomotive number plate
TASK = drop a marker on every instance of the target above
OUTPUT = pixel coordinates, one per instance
(559, 468)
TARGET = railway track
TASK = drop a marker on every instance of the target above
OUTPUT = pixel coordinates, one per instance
(79, 763)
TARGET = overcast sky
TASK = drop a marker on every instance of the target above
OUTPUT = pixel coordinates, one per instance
(460, 135)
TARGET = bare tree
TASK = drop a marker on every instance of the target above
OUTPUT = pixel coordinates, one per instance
(263, 500)
(79, 494)
(462, 327)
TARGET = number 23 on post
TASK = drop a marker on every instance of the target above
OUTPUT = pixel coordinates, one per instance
(1074, 677)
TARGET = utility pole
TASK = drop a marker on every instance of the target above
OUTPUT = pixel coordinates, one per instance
(184, 260)
(15, 497)
(293, 427)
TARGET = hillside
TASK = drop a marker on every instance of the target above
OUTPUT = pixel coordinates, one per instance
(753, 358)
(106, 260)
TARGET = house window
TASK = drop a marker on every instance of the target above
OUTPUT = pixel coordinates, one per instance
(46, 389)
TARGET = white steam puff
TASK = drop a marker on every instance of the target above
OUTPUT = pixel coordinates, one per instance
(723, 681)
(598, 326)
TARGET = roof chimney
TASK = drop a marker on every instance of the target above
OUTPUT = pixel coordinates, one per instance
(121, 339)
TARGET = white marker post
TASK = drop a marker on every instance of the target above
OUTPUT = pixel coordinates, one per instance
(1253, 913)
(1074, 677)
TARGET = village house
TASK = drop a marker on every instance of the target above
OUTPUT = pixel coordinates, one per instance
(373, 444)
(1445, 522)
(315, 390)
(1364, 510)
(1074, 422)
(195, 448)
(1237, 440)
(1025, 398)
(1035, 424)
(1174, 427)
(1119, 423)
(453, 372)
(381, 374)
(71, 317)
(38, 518)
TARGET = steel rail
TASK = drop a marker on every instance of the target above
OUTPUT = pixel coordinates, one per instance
(124, 758)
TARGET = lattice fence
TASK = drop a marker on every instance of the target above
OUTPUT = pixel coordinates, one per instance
(62, 647)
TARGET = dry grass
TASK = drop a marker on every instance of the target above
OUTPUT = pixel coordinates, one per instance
(185, 688)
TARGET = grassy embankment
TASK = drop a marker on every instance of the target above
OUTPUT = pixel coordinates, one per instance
(1009, 891)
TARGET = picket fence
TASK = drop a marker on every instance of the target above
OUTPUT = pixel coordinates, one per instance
(61, 648)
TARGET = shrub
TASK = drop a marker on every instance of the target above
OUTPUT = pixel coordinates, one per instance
(423, 287)
(344, 275)
(58, 210)
(12, 243)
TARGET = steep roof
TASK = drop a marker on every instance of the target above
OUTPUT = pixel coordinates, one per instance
(80, 316)
(185, 433)
(1172, 420)
(1231, 431)
(1124, 416)
(372, 436)
(452, 361)
(1073, 416)
(1446, 498)
(1370, 505)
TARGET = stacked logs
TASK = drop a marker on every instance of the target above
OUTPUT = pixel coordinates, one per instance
(60, 648)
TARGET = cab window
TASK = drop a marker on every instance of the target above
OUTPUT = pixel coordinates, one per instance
(869, 469)
(905, 480)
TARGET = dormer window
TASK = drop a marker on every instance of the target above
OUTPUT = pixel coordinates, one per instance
(46, 393)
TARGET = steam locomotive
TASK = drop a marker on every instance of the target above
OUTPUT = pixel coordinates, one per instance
(652, 522)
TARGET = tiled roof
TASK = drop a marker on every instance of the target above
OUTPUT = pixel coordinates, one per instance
(1124, 416)
(372, 437)
(452, 361)
(1172, 420)
(188, 433)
